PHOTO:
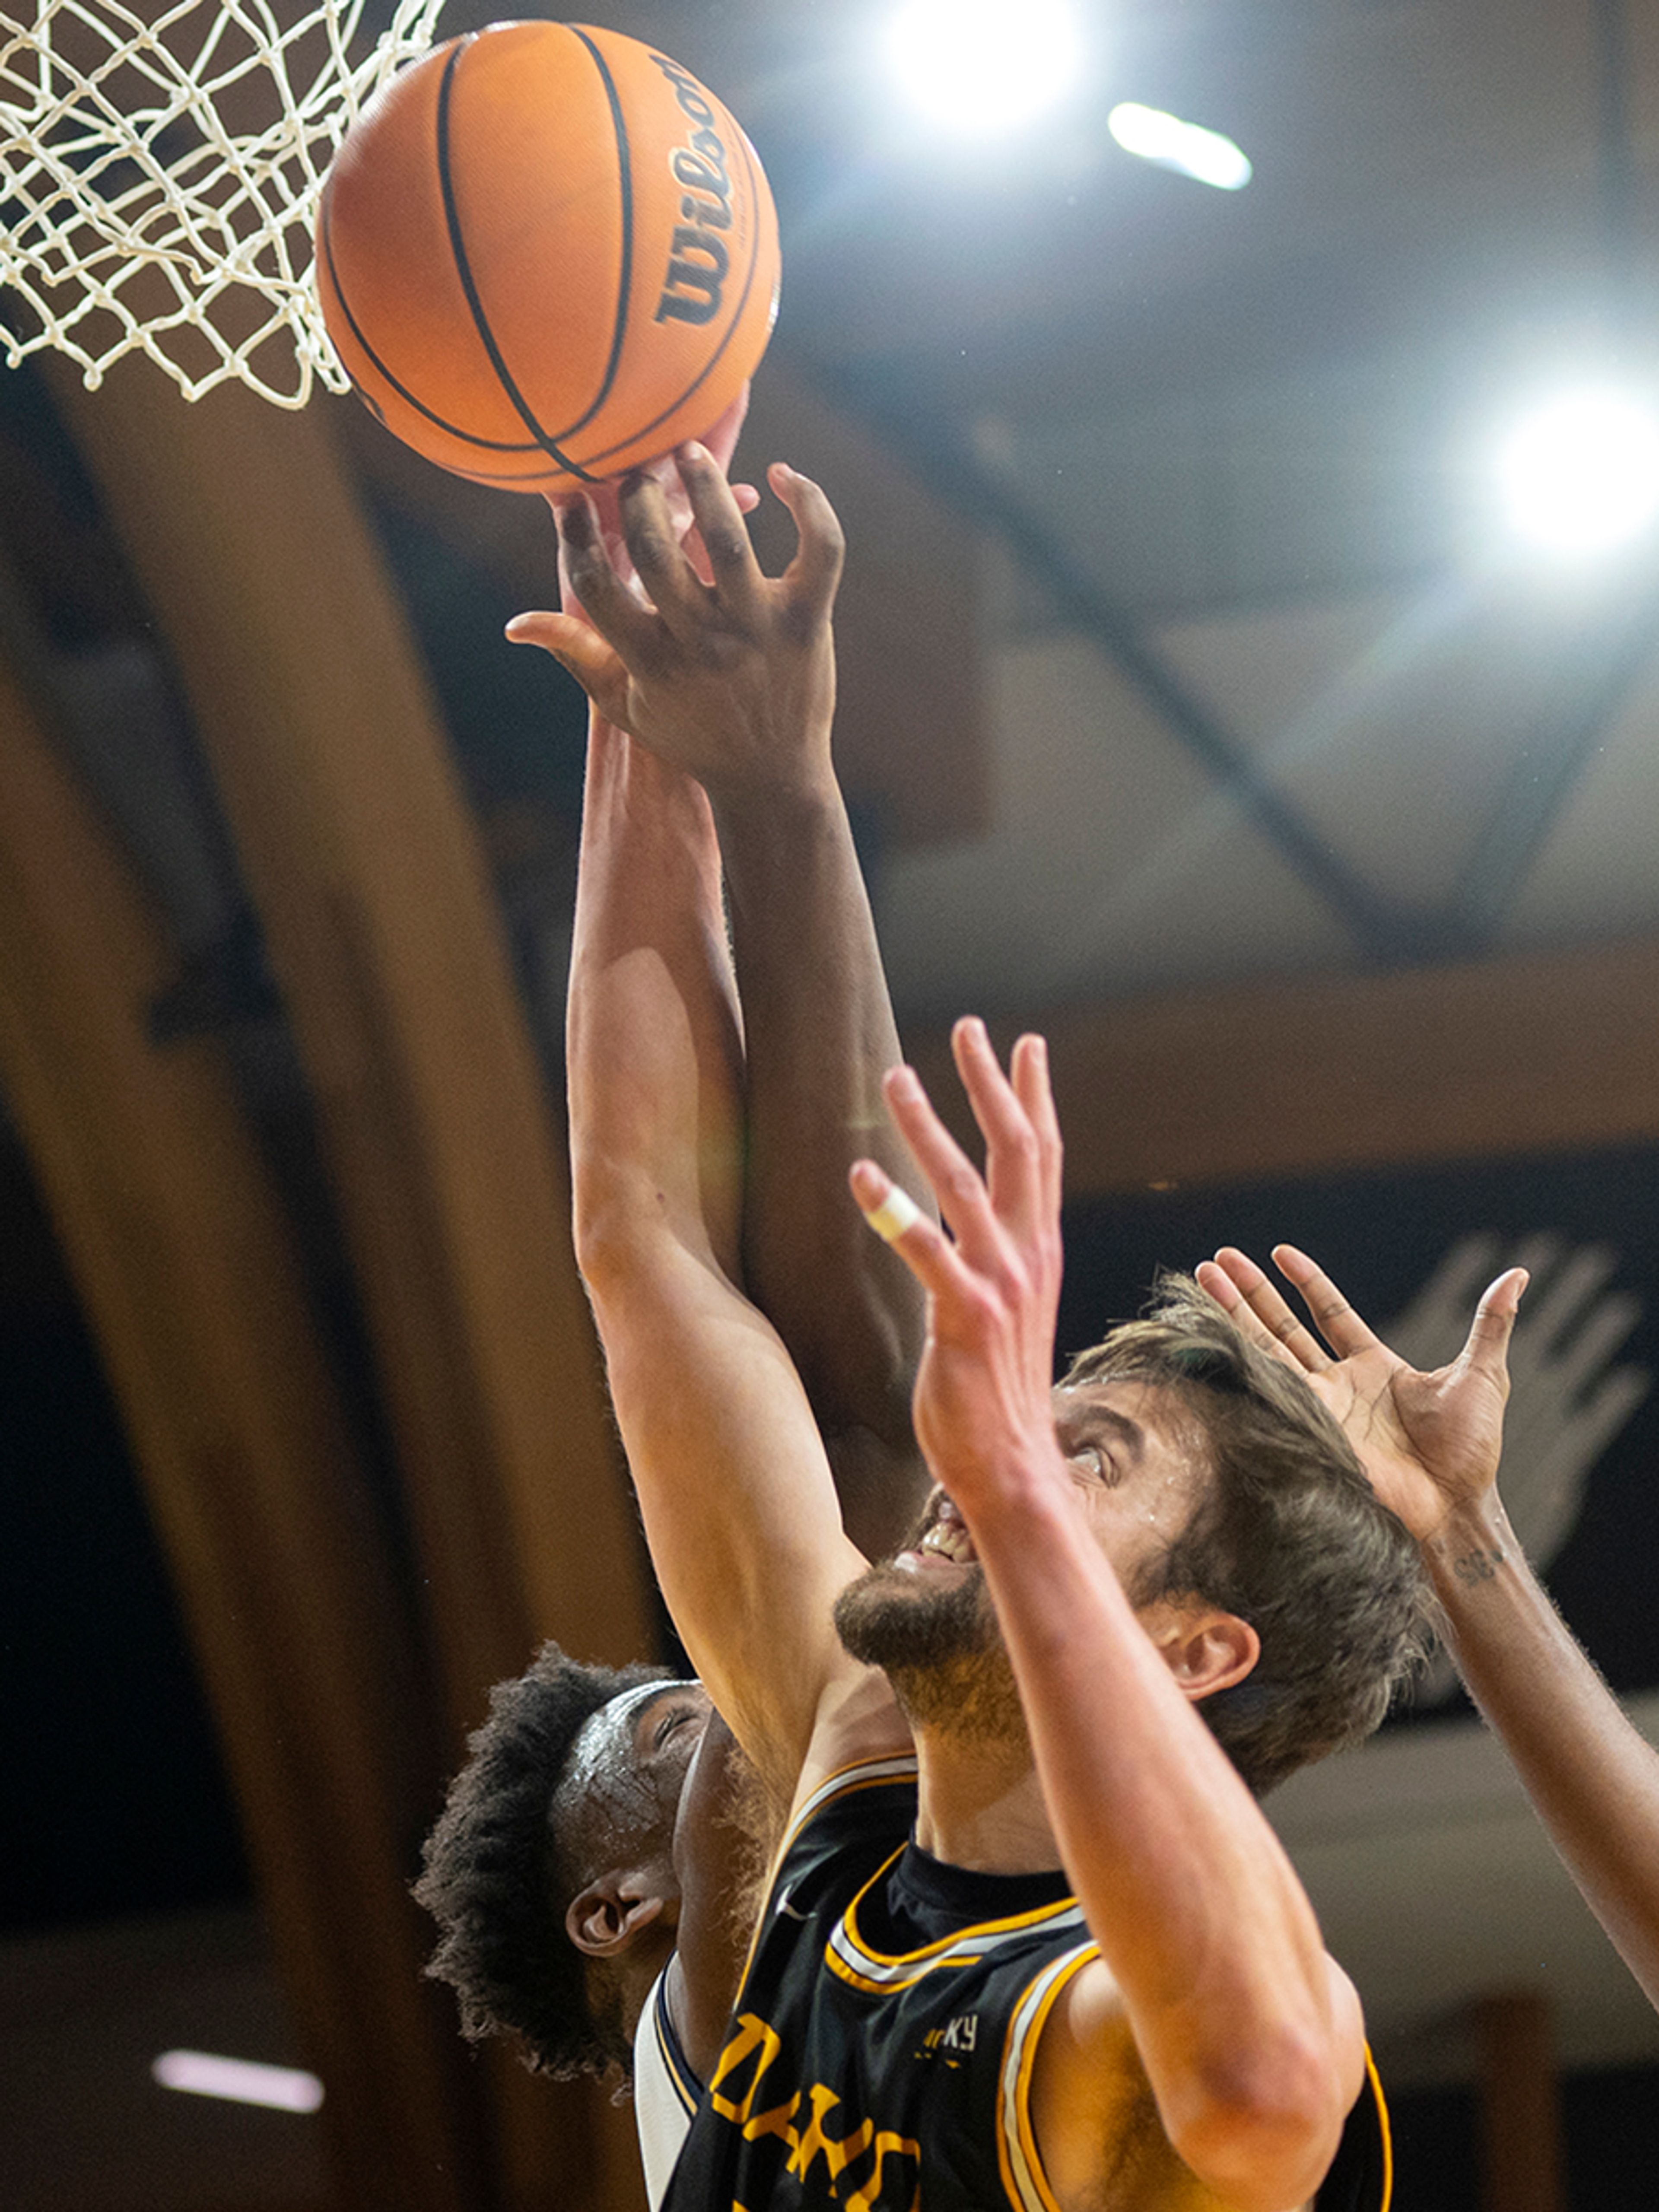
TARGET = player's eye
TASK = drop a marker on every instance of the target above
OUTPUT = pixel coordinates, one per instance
(676, 1718)
(1094, 1463)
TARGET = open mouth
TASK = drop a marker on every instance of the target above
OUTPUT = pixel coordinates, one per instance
(945, 1542)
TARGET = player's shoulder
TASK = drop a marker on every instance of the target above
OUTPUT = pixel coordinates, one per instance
(861, 1742)
(1075, 2081)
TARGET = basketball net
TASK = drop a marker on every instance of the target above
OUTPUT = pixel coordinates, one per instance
(159, 179)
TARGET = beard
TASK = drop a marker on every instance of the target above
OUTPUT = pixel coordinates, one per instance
(939, 1647)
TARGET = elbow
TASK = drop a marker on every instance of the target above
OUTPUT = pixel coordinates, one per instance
(608, 1213)
(1262, 2126)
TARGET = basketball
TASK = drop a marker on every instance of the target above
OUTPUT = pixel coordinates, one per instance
(546, 255)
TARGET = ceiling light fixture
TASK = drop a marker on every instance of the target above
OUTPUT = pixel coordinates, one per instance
(242, 2081)
(1581, 474)
(1186, 148)
(978, 68)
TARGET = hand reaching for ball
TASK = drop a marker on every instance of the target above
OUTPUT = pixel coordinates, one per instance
(606, 500)
(722, 670)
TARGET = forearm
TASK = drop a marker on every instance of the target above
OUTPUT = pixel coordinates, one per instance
(1592, 1779)
(726, 1460)
(1196, 1910)
(653, 1050)
(820, 1036)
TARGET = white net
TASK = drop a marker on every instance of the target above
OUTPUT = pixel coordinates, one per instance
(159, 174)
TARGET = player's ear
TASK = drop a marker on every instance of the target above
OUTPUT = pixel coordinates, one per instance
(1205, 1649)
(608, 1917)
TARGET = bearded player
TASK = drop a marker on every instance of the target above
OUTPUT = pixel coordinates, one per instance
(1065, 1963)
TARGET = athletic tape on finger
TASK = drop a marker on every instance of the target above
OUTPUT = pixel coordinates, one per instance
(897, 1212)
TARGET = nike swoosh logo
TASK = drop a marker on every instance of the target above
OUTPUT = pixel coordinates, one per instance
(784, 1905)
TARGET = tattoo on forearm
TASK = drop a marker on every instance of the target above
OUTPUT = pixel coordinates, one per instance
(1478, 1566)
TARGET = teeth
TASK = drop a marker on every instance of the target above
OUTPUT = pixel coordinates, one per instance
(950, 1539)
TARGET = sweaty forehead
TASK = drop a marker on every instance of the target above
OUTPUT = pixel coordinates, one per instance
(1151, 1422)
(1153, 1408)
(603, 1762)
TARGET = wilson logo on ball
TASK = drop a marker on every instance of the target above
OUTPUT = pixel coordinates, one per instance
(692, 290)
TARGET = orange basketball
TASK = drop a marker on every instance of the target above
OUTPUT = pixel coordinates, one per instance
(547, 254)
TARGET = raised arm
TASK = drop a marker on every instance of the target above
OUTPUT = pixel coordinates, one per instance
(821, 1035)
(735, 1490)
(819, 1025)
(1431, 1444)
(1250, 2038)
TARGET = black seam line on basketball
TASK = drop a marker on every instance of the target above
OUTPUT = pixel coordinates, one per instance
(450, 429)
(625, 172)
(463, 271)
(708, 366)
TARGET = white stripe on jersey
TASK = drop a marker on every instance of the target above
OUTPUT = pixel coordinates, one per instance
(1018, 2054)
(665, 2092)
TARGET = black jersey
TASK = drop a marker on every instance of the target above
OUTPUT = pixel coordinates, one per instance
(880, 2054)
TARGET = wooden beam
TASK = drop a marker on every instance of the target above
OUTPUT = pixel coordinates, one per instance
(186, 1267)
(313, 710)
(1535, 1053)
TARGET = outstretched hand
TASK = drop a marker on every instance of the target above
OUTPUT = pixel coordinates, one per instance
(983, 1408)
(1430, 1442)
(721, 671)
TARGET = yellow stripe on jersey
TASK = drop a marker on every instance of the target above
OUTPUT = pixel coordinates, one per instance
(1057, 1911)
(1374, 2083)
(856, 1962)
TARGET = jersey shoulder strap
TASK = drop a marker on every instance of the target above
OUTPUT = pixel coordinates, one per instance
(666, 2091)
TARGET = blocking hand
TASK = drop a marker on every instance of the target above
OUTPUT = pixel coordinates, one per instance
(983, 1413)
(721, 671)
(606, 500)
(1430, 1442)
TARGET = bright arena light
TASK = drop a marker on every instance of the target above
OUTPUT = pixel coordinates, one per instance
(977, 67)
(243, 2080)
(1582, 475)
(1186, 148)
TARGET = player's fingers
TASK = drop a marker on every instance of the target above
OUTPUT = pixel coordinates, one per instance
(811, 579)
(1013, 1152)
(1028, 1070)
(1216, 1283)
(575, 645)
(601, 500)
(1335, 1319)
(692, 546)
(653, 536)
(1295, 1340)
(732, 566)
(622, 619)
(899, 1221)
(1488, 1347)
(963, 1202)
